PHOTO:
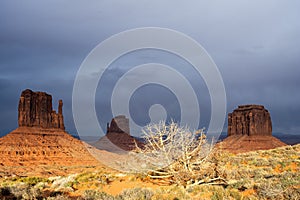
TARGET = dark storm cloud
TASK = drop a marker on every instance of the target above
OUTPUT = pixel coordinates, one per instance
(255, 44)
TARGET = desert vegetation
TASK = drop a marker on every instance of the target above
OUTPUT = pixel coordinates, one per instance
(175, 163)
(176, 155)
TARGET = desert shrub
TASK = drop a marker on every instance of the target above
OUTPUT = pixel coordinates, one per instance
(64, 183)
(215, 192)
(172, 193)
(282, 186)
(135, 194)
(234, 194)
(270, 190)
(220, 193)
(290, 183)
(289, 179)
(25, 191)
(176, 155)
(94, 195)
(59, 197)
(102, 178)
(85, 177)
(291, 193)
(32, 180)
(259, 162)
(240, 184)
(56, 193)
(5, 191)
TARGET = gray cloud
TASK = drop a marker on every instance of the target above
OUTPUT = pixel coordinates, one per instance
(255, 44)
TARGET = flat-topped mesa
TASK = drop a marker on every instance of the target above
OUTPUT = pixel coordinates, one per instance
(249, 129)
(249, 120)
(250, 107)
(35, 110)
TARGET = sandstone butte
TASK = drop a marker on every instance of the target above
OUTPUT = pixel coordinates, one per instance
(41, 138)
(249, 129)
(117, 138)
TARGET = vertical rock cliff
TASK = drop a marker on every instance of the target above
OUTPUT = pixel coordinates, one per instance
(35, 110)
(41, 138)
(249, 129)
(249, 120)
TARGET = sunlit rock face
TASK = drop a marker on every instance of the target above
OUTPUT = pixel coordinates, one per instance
(35, 110)
(249, 120)
(249, 129)
(41, 138)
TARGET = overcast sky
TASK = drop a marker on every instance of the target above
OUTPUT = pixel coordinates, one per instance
(255, 44)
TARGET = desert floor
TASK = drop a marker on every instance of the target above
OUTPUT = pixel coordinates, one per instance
(264, 174)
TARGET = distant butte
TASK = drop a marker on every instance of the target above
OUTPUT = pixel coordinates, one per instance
(41, 138)
(119, 124)
(250, 129)
(117, 138)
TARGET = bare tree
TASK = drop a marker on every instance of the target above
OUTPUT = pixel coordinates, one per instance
(176, 155)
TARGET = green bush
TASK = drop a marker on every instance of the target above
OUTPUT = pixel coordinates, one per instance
(103, 179)
(32, 180)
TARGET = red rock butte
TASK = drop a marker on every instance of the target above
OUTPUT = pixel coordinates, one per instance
(35, 110)
(117, 138)
(249, 120)
(41, 138)
(249, 129)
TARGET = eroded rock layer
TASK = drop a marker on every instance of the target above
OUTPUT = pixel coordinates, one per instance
(249, 129)
(41, 138)
(245, 143)
(27, 146)
(35, 110)
(249, 120)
